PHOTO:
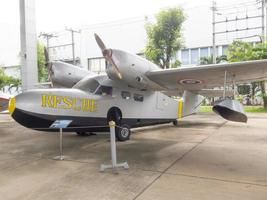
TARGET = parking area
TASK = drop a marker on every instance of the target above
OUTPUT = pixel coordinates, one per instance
(205, 157)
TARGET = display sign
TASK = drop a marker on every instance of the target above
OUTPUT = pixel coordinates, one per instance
(61, 124)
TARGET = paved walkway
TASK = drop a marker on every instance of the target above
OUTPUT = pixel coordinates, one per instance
(204, 158)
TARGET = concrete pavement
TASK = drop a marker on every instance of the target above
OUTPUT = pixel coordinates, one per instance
(205, 157)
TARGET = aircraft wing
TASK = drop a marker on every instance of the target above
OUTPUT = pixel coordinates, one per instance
(203, 92)
(209, 76)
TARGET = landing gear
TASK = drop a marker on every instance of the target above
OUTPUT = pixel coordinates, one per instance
(85, 133)
(123, 132)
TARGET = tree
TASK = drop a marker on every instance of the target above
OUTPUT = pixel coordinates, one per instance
(209, 60)
(42, 69)
(240, 51)
(165, 38)
(9, 81)
(244, 51)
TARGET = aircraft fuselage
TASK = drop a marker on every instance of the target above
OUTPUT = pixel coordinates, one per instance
(38, 109)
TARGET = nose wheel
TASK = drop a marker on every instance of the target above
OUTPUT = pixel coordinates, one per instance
(123, 132)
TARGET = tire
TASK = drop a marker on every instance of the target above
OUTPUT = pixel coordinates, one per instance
(123, 132)
(175, 123)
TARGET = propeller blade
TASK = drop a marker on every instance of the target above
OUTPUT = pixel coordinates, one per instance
(100, 43)
(115, 68)
(48, 64)
(107, 53)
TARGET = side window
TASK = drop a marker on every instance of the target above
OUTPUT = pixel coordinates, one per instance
(104, 90)
(125, 95)
(138, 97)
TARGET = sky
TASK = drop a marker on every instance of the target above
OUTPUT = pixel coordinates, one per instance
(56, 15)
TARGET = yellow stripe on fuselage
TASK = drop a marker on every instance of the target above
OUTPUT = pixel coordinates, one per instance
(180, 109)
(12, 105)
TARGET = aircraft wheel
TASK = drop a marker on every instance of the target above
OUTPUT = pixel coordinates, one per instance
(123, 132)
(175, 123)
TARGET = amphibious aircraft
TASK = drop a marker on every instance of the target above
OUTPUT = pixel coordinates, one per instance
(134, 92)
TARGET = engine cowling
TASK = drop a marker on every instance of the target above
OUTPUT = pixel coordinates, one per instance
(132, 69)
(67, 75)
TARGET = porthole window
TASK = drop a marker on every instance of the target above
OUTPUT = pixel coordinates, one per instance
(138, 97)
(125, 95)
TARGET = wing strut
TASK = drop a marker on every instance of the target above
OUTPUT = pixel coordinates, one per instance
(224, 84)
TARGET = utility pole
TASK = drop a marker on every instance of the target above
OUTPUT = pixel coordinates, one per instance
(47, 36)
(262, 20)
(72, 42)
(213, 8)
(265, 19)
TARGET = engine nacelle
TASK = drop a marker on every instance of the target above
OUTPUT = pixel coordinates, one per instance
(231, 110)
(67, 75)
(132, 69)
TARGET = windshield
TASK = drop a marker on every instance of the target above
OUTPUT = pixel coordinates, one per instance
(87, 84)
(104, 90)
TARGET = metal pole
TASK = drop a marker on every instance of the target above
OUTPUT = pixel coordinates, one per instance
(213, 8)
(224, 85)
(72, 43)
(234, 85)
(60, 144)
(47, 36)
(113, 144)
(73, 50)
(114, 165)
(265, 19)
(262, 19)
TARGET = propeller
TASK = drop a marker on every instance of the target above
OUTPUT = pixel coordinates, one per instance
(107, 53)
(48, 64)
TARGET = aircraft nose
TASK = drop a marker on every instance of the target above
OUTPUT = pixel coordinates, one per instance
(12, 105)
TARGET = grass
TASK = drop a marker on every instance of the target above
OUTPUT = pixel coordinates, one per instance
(248, 109)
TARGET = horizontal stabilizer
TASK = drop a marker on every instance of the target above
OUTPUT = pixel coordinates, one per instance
(231, 110)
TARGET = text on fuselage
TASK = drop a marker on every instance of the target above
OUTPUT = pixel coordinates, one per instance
(66, 102)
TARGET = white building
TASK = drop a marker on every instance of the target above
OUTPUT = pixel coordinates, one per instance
(130, 35)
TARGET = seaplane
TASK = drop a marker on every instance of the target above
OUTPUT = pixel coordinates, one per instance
(134, 92)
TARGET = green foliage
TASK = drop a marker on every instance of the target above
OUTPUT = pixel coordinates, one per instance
(165, 38)
(42, 69)
(209, 60)
(240, 51)
(205, 109)
(243, 89)
(240, 98)
(243, 51)
(9, 81)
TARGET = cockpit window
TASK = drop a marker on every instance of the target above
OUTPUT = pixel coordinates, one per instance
(104, 90)
(93, 85)
(87, 84)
